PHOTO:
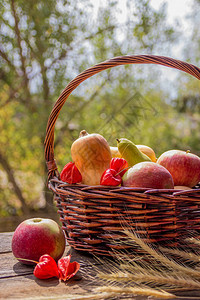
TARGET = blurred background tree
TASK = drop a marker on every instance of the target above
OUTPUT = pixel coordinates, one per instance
(43, 46)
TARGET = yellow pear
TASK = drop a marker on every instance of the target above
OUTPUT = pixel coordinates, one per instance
(148, 151)
(115, 152)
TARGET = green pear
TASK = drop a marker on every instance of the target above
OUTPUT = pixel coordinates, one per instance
(130, 152)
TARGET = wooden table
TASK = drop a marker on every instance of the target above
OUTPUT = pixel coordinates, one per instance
(18, 282)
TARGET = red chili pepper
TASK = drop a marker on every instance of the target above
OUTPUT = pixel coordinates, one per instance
(46, 268)
(110, 177)
(70, 173)
(120, 165)
(66, 268)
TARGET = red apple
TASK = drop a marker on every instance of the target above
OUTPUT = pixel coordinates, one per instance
(148, 175)
(183, 166)
(35, 237)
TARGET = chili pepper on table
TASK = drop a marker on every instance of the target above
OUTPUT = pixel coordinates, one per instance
(66, 268)
(47, 268)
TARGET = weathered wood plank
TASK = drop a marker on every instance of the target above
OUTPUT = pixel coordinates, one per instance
(5, 242)
(18, 282)
(29, 287)
(10, 267)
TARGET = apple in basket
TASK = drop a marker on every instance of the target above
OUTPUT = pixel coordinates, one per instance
(183, 166)
(36, 237)
(148, 175)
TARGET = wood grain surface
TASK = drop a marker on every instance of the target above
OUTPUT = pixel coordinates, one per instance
(18, 282)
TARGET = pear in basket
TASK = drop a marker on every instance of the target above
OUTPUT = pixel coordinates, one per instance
(130, 152)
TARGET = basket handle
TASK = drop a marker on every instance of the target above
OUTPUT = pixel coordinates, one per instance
(113, 62)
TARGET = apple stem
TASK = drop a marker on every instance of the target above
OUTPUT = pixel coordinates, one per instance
(188, 151)
(29, 260)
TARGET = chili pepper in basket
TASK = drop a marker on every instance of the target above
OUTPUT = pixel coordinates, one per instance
(120, 165)
(70, 173)
(110, 177)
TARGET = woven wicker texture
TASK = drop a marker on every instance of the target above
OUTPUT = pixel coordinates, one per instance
(93, 216)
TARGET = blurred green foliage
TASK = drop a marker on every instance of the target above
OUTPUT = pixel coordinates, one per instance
(45, 45)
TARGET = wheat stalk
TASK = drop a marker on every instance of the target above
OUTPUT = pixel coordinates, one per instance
(166, 281)
(188, 256)
(165, 261)
(193, 240)
(153, 269)
(136, 291)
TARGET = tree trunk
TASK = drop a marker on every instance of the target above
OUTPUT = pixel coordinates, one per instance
(5, 164)
(50, 205)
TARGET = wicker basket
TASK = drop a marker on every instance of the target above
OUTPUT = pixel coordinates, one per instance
(93, 216)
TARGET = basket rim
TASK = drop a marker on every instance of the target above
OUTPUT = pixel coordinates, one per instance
(82, 191)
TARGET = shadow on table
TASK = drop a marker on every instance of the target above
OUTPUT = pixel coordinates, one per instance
(22, 269)
(27, 270)
(52, 282)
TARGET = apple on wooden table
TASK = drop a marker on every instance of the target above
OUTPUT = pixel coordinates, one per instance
(148, 175)
(36, 237)
(183, 166)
